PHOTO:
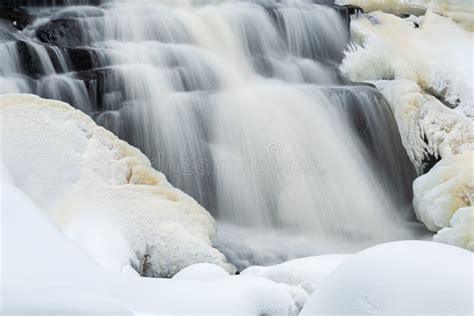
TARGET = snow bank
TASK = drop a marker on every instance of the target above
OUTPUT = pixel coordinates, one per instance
(443, 192)
(461, 11)
(43, 272)
(437, 56)
(399, 278)
(299, 277)
(424, 73)
(101, 191)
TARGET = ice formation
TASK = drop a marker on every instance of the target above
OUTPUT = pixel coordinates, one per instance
(437, 56)
(427, 127)
(398, 278)
(426, 75)
(101, 191)
(461, 11)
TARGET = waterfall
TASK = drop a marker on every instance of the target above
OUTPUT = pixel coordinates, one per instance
(240, 104)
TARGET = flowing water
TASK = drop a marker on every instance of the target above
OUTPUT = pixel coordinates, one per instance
(241, 105)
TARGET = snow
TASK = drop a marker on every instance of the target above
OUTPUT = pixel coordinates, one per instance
(43, 272)
(460, 231)
(437, 56)
(443, 192)
(427, 127)
(200, 272)
(461, 11)
(102, 192)
(303, 272)
(426, 74)
(399, 278)
(299, 277)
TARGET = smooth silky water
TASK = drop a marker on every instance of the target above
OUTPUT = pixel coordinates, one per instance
(241, 105)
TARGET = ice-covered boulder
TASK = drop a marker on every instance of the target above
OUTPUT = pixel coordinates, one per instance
(101, 191)
(460, 231)
(443, 192)
(437, 56)
(399, 278)
(427, 127)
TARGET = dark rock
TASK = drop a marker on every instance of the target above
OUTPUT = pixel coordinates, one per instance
(17, 16)
(75, 13)
(428, 162)
(104, 86)
(429, 159)
(63, 33)
(67, 59)
(29, 59)
(82, 59)
(345, 16)
(353, 9)
(42, 3)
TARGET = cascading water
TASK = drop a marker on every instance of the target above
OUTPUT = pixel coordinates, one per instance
(241, 105)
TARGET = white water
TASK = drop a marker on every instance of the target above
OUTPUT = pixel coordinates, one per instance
(242, 108)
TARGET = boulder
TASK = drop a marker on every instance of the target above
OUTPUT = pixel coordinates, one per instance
(18, 17)
(63, 33)
(42, 3)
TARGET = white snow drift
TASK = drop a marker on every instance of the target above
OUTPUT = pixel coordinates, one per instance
(299, 276)
(399, 278)
(101, 191)
(44, 273)
(424, 72)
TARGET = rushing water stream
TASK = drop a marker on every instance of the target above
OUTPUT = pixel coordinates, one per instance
(241, 105)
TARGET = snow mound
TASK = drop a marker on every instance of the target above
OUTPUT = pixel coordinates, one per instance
(299, 277)
(97, 187)
(200, 272)
(399, 278)
(44, 273)
(447, 189)
(437, 56)
(306, 273)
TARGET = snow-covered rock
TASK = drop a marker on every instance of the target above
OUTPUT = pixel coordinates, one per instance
(44, 273)
(426, 74)
(460, 231)
(437, 56)
(102, 192)
(427, 127)
(461, 11)
(443, 192)
(399, 278)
